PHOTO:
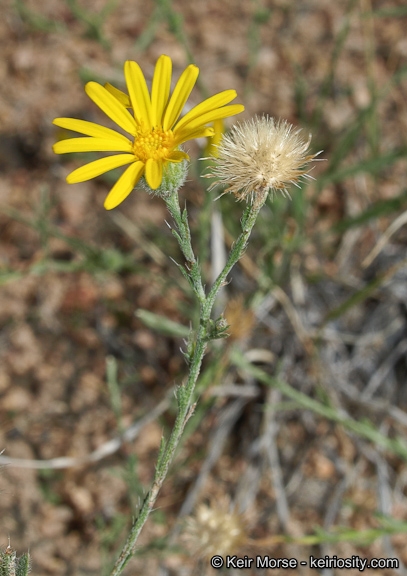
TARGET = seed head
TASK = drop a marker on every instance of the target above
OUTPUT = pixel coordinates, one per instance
(260, 156)
(240, 319)
(214, 530)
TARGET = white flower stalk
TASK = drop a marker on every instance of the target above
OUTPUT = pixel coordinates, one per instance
(259, 157)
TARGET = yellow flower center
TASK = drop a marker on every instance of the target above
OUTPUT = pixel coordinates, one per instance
(156, 144)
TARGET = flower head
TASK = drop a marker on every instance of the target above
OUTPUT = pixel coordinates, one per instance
(261, 156)
(240, 319)
(154, 126)
(214, 530)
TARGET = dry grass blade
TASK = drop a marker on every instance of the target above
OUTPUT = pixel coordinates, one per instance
(391, 230)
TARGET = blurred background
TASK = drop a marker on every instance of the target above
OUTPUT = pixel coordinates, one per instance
(301, 423)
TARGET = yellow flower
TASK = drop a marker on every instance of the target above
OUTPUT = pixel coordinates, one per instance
(155, 129)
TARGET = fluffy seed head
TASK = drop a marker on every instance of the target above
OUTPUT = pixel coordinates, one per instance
(213, 530)
(260, 156)
(240, 320)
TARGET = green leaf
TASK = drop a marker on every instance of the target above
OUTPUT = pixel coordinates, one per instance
(23, 565)
(162, 324)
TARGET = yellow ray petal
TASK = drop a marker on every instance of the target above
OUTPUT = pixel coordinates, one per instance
(89, 128)
(207, 105)
(180, 95)
(124, 185)
(98, 167)
(177, 156)
(138, 92)
(111, 107)
(211, 148)
(201, 132)
(154, 173)
(160, 90)
(91, 145)
(224, 112)
(122, 97)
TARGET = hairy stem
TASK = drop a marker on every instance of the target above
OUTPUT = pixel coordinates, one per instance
(196, 346)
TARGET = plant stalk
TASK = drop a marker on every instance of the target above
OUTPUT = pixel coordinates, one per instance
(196, 345)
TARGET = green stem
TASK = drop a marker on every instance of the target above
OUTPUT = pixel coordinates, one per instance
(186, 391)
(183, 236)
(166, 455)
(248, 220)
